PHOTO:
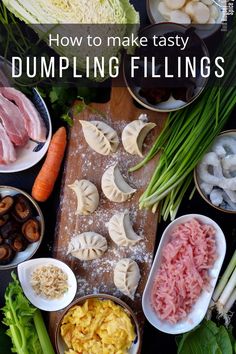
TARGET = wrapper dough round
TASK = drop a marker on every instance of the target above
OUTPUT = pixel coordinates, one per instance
(198, 12)
(180, 17)
(175, 4)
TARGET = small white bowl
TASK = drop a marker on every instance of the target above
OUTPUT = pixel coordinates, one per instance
(200, 307)
(25, 270)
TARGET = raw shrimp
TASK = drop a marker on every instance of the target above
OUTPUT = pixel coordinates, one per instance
(229, 201)
(216, 196)
(206, 188)
(229, 164)
(224, 145)
(231, 195)
(210, 160)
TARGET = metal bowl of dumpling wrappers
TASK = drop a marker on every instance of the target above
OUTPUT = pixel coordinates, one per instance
(231, 151)
(89, 326)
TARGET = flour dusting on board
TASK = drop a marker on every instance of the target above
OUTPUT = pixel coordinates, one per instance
(96, 276)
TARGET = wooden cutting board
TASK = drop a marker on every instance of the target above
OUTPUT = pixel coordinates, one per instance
(83, 163)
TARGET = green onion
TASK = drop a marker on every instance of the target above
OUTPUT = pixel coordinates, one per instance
(228, 290)
(186, 137)
(229, 304)
(224, 295)
(223, 281)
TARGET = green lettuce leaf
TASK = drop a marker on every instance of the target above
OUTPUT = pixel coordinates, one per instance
(207, 338)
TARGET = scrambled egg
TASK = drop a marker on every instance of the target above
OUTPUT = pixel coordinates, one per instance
(97, 327)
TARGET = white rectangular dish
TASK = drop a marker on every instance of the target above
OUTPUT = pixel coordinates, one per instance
(200, 307)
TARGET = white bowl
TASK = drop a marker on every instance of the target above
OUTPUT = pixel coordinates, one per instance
(204, 31)
(32, 248)
(25, 270)
(200, 307)
(30, 154)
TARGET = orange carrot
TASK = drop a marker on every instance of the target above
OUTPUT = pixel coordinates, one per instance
(45, 181)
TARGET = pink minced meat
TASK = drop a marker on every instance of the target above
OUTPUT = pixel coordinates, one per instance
(183, 272)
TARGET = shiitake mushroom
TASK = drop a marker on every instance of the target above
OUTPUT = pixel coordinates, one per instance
(6, 204)
(22, 209)
(1, 239)
(31, 230)
(17, 242)
(4, 219)
(155, 95)
(6, 254)
(10, 228)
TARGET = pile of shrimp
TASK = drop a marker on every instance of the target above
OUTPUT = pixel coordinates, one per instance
(217, 173)
(183, 272)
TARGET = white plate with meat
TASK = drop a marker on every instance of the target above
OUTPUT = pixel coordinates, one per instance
(184, 274)
(25, 127)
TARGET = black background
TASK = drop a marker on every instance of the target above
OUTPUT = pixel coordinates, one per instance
(154, 341)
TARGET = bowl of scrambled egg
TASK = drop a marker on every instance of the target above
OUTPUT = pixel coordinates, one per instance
(98, 324)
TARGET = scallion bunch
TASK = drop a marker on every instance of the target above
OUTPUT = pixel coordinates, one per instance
(187, 136)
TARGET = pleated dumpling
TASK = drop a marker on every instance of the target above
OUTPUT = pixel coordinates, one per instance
(114, 186)
(127, 276)
(87, 246)
(87, 196)
(121, 231)
(100, 136)
(134, 135)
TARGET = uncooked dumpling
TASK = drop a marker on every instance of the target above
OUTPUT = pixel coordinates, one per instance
(127, 276)
(114, 186)
(100, 136)
(121, 230)
(134, 135)
(87, 196)
(87, 246)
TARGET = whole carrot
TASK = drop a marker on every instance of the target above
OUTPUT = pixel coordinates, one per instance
(44, 183)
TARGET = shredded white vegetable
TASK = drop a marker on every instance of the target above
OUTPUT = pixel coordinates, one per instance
(49, 281)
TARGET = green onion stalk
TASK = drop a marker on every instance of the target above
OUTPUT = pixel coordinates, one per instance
(186, 137)
(224, 295)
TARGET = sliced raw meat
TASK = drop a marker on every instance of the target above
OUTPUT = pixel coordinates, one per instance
(34, 124)
(3, 79)
(13, 122)
(7, 151)
(183, 272)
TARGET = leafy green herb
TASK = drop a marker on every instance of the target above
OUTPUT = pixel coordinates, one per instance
(25, 325)
(207, 338)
